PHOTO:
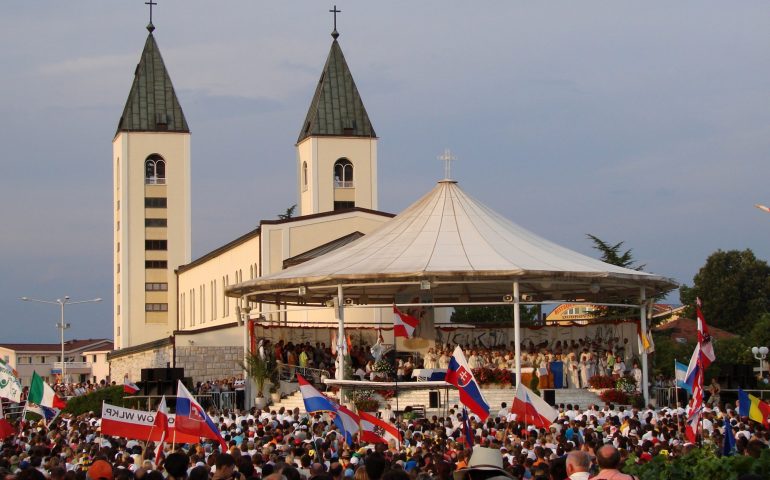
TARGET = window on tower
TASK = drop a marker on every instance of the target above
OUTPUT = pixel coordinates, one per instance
(304, 176)
(343, 173)
(156, 244)
(344, 205)
(155, 170)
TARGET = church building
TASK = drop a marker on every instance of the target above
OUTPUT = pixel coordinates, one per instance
(171, 310)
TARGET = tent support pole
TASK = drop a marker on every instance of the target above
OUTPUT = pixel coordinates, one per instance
(342, 346)
(517, 330)
(643, 353)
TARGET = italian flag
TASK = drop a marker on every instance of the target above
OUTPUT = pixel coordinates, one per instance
(42, 394)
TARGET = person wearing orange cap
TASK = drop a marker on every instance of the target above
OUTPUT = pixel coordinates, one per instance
(100, 470)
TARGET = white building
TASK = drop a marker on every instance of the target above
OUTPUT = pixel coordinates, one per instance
(85, 360)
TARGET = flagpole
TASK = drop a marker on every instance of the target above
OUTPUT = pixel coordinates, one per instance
(395, 354)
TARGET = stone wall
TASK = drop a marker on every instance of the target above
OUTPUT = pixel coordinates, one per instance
(209, 363)
(133, 363)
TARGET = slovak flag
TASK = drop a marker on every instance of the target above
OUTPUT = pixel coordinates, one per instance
(404, 324)
(375, 430)
(315, 401)
(532, 409)
(460, 375)
(128, 387)
(192, 418)
(161, 423)
(347, 422)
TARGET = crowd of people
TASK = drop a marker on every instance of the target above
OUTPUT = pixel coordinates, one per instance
(580, 360)
(294, 445)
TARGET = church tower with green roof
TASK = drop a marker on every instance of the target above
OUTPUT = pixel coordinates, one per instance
(337, 146)
(151, 185)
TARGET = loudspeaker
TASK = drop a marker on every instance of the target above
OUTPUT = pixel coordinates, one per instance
(148, 374)
(549, 395)
(159, 387)
(434, 399)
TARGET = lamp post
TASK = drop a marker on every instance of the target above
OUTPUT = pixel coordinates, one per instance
(760, 353)
(61, 325)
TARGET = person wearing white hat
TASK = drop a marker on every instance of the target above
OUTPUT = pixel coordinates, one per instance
(485, 464)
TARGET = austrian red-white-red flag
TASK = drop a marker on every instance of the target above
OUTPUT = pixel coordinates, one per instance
(375, 430)
(704, 338)
(404, 324)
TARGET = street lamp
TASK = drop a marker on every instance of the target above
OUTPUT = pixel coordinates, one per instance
(61, 325)
(760, 353)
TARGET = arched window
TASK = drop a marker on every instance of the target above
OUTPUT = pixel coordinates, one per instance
(343, 173)
(155, 170)
(304, 175)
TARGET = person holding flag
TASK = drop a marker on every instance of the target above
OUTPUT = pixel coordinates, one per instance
(460, 375)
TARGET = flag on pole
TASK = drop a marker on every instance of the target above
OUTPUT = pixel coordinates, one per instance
(752, 407)
(128, 387)
(47, 414)
(467, 432)
(375, 430)
(314, 400)
(704, 337)
(646, 343)
(695, 408)
(728, 443)
(404, 324)
(532, 409)
(460, 375)
(347, 422)
(161, 423)
(192, 418)
(10, 385)
(42, 394)
(680, 370)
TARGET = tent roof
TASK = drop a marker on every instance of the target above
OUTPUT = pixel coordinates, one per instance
(468, 253)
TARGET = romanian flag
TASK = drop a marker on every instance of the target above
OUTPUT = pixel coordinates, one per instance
(752, 407)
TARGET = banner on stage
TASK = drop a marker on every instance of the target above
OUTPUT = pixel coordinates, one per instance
(138, 425)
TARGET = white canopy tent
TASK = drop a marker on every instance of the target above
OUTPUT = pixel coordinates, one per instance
(464, 253)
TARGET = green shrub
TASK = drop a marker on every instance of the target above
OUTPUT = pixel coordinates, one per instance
(92, 402)
(699, 463)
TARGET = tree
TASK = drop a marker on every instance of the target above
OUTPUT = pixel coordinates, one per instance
(734, 287)
(611, 253)
(493, 314)
(289, 213)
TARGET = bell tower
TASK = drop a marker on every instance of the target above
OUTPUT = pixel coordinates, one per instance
(151, 185)
(337, 146)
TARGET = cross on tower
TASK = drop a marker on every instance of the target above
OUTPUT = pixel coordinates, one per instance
(335, 12)
(150, 3)
(447, 158)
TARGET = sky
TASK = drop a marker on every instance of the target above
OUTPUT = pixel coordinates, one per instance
(643, 122)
